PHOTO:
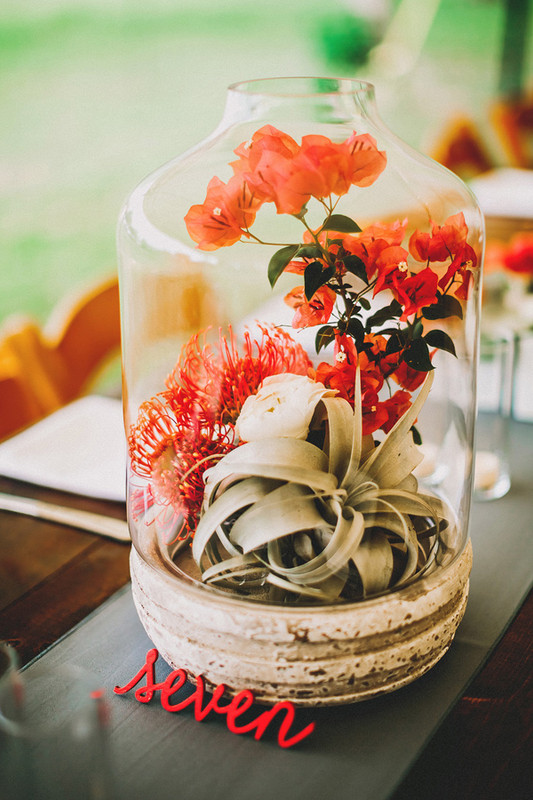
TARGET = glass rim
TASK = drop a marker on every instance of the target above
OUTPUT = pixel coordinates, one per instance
(302, 86)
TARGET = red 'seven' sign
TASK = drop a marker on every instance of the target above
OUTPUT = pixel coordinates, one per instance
(239, 704)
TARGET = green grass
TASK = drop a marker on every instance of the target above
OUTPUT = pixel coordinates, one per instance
(94, 95)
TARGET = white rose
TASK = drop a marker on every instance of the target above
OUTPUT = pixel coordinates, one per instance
(283, 406)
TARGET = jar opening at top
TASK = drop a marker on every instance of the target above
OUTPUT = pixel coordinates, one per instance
(301, 87)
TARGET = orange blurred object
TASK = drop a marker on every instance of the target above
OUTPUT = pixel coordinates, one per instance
(42, 370)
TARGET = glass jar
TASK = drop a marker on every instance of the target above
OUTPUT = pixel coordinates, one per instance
(300, 303)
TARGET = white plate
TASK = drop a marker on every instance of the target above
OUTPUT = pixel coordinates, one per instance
(80, 448)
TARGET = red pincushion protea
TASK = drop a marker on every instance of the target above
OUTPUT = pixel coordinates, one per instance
(220, 378)
(182, 431)
(171, 444)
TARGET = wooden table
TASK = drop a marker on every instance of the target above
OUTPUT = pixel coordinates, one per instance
(52, 577)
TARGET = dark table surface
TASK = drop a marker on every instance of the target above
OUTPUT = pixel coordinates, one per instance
(53, 576)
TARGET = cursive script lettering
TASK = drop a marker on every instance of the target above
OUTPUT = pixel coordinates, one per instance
(232, 710)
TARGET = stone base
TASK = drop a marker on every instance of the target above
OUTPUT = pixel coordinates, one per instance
(313, 656)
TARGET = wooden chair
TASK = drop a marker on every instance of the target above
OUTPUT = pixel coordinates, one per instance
(461, 148)
(42, 370)
(513, 122)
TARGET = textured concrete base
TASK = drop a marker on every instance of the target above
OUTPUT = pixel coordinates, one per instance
(321, 655)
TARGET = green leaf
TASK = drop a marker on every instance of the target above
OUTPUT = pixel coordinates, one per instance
(356, 330)
(394, 309)
(315, 277)
(418, 329)
(356, 266)
(365, 303)
(446, 306)
(309, 251)
(279, 261)
(441, 340)
(416, 355)
(324, 336)
(341, 223)
(395, 343)
(417, 439)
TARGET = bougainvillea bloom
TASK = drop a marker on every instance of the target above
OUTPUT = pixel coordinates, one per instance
(279, 170)
(416, 292)
(316, 311)
(395, 407)
(518, 257)
(392, 268)
(407, 377)
(460, 269)
(374, 367)
(331, 168)
(442, 243)
(225, 215)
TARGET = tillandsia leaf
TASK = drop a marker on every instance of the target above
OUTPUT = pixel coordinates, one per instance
(325, 525)
(337, 444)
(441, 340)
(316, 276)
(344, 542)
(340, 223)
(357, 436)
(389, 457)
(374, 562)
(446, 306)
(288, 509)
(239, 566)
(277, 458)
(237, 497)
(279, 261)
(329, 591)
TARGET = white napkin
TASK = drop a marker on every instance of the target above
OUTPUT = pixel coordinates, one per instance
(505, 192)
(80, 448)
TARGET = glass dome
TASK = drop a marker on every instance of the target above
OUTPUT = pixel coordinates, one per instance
(300, 294)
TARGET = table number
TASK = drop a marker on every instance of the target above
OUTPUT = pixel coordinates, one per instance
(239, 704)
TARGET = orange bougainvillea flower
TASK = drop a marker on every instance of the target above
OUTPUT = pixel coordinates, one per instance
(416, 292)
(331, 168)
(368, 244)
(225, 215)
(266, 163)
(392, 268)
(518, 257)
(316, 311)
(279, 170)
(461, 268)
(407, 377)
(268, 138)
(395, 407)
(340, 376)
(442, 243)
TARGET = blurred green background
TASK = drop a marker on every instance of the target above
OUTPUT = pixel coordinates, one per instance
(94, 94)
